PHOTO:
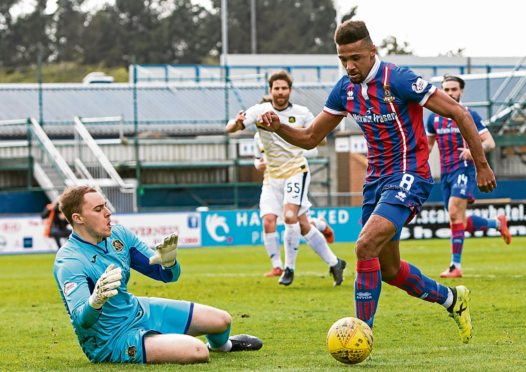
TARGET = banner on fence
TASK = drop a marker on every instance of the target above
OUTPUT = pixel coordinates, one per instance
(151, 228)
(433, 222)
(20, 235)
(245, 227)
(26, 234)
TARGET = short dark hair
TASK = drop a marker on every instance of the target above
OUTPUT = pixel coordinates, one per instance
(282, 75)
(72, 201)
(352, 31)
(460, 81)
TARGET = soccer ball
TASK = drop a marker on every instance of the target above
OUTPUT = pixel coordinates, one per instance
(350, 340)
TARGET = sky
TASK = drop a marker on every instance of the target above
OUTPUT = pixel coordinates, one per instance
(483, 28)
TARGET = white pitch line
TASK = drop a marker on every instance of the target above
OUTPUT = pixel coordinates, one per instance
(306, 273)
(492, 276)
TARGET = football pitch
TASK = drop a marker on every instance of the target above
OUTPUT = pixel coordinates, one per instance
(409, 334)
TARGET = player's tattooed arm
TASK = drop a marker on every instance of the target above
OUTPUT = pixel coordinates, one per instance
(443, 105)
(307, 138)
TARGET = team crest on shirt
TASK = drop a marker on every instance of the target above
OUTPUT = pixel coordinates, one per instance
(118, 245)
(388, 96)
(292, 119)
(132, 351)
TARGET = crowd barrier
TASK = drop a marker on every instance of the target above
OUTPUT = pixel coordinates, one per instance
(20, 235)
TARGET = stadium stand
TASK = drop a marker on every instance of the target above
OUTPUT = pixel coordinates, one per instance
(168, 138)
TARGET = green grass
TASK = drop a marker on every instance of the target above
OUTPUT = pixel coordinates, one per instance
(410, 334)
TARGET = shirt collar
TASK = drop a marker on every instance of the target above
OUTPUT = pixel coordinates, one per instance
(103, 244)
(374, 70)
(289, 106)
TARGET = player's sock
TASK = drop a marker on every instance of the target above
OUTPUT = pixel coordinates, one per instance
(220, 341)
(272, 246)
(319, 224)
(292, 243)
(317, 242)
(416, 284)
(457, 243)
(476, 223)
(367, 288)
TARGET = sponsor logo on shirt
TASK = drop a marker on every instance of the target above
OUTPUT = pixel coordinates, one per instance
(447, 130)
(373, 118)
(292, 119)
(69, 287)
(350, 95)
(118, 245)
(420, 85)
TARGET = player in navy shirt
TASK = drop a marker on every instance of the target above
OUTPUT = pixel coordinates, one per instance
(458, 175)
(387, 101)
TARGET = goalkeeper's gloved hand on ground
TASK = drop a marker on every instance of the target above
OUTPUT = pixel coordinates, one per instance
(166, 251)
(106, 287)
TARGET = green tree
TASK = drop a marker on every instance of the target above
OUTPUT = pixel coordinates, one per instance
(68, 22)
(351, 14)
(283, 26)
(28, 37)
(390, 45)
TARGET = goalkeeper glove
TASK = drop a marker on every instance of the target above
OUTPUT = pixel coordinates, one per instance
(166, 251)
(106, 287)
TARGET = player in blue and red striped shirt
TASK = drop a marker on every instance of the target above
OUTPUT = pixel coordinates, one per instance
(458, 175)
(387, 101)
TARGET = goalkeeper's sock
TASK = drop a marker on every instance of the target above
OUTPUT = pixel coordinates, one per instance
(292, 243)
(272, 246)
(220, 342)
(317, 242)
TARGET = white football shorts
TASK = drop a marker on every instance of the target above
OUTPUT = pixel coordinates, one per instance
(291, 190)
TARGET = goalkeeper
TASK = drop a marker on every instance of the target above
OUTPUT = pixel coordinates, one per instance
(92, 271)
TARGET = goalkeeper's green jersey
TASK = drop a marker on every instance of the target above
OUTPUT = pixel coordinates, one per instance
(78, 266)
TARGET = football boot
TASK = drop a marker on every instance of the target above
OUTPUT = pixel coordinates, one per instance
(337, 271)
(287, 277)
(274, 272)
(460, 312)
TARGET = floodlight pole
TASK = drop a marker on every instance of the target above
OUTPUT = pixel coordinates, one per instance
(224, 29)
(253, 25)
(341, 70)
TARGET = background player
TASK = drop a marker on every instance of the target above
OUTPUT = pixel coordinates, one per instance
(92, 271)
(289, 175)
(386, 101)
(458, 175)
(271, 209)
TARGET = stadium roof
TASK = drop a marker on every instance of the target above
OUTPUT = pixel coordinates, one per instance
(189, 109)
(167, 109)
